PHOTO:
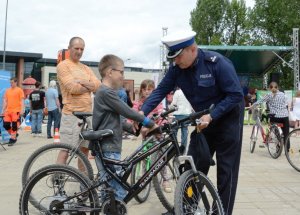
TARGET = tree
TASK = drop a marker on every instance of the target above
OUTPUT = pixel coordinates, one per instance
(207, 21)
(236, 23)
(272, 22)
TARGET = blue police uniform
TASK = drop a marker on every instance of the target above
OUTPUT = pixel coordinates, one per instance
(212, 80)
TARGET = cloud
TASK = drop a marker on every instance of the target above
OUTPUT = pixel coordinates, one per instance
(131, 29)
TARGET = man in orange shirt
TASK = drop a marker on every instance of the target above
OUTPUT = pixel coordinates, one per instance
(77, 81)
(13, 101)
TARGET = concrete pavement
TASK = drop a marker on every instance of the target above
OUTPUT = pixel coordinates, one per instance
(266, 186)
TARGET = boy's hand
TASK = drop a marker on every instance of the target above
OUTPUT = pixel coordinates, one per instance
(145, 131)
(135, 126)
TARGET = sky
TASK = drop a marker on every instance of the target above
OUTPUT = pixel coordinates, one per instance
(131, 29)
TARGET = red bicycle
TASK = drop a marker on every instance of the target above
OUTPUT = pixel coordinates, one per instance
(272, 137)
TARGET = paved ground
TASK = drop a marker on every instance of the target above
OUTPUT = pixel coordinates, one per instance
(266, 186)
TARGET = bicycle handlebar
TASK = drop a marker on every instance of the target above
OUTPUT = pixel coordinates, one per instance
(191, 117)
(171, 110)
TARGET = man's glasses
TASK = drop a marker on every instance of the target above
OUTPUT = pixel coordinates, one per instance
(121, 71)
(272, 86)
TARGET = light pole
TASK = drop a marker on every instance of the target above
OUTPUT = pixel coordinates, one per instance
(4, 49)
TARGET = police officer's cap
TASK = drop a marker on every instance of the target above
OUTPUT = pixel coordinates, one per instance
(175, 43)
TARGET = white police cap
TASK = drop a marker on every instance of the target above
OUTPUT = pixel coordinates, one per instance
(175, 43)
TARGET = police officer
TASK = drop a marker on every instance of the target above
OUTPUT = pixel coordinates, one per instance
(206, 78)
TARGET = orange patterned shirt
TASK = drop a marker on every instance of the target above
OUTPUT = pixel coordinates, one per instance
(68, 75)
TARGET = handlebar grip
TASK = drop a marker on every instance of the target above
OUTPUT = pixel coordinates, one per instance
(196, 115)
(172, 109)
(158, 130)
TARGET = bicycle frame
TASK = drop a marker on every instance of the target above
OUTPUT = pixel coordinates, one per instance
(135, 158)
(171, 151)
(260, 128)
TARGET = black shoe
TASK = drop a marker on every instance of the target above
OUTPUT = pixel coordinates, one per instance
(49, 137)
(11, 142)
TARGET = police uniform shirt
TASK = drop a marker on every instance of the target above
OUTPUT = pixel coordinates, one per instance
(210, 80)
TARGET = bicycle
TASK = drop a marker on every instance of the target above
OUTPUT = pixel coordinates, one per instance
(48, 155)
(272, 137)
(66, 187)
(292, 148)
(166, 175)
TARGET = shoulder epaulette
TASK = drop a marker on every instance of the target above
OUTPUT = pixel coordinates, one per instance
(211, 57)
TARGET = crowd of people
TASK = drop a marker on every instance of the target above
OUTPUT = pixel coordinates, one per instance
(37, 105)
(197, 78)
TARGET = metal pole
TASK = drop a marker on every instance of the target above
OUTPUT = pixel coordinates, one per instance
(4, 49)
(296, 57)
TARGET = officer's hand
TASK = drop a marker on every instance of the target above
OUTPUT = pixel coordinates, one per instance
(204, 122)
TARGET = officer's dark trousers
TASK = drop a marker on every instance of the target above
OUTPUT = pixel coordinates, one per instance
(224, 137)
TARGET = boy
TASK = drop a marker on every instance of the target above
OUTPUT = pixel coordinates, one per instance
(107, 111)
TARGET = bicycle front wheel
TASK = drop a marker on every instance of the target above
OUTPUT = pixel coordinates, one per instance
(164, 184)
(293, 152)
(48, 154)
(54, 188)
(195, 194)
(274, 142)
(137, 172)
(253, 138)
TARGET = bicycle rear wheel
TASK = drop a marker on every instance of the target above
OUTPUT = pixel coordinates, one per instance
(137, 172)
(195, 194)
(47, 155)
(253, 138)
(293, 153)
(274, 142)
(56, 183)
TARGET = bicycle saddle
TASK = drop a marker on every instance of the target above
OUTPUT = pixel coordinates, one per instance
(96, 135)
(82, 115)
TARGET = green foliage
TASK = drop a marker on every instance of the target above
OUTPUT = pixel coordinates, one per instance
(273, 20)
(236, 23)
(207, 19)
(230, 22)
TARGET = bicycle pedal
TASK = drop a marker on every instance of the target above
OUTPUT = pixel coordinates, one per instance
(261, 146)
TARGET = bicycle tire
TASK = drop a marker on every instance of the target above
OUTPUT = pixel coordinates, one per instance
(138, 170)
(65, 175)
(293, 153)
(253, 138)
(185, 195)
(32, 160)
(166, 199)
(274, 142)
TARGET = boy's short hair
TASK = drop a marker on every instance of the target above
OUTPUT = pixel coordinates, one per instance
(108, 61)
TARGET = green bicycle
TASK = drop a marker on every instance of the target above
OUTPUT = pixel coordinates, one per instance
(166, 176)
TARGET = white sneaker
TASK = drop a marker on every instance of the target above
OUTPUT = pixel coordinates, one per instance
(39, 135)
(33, 134)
